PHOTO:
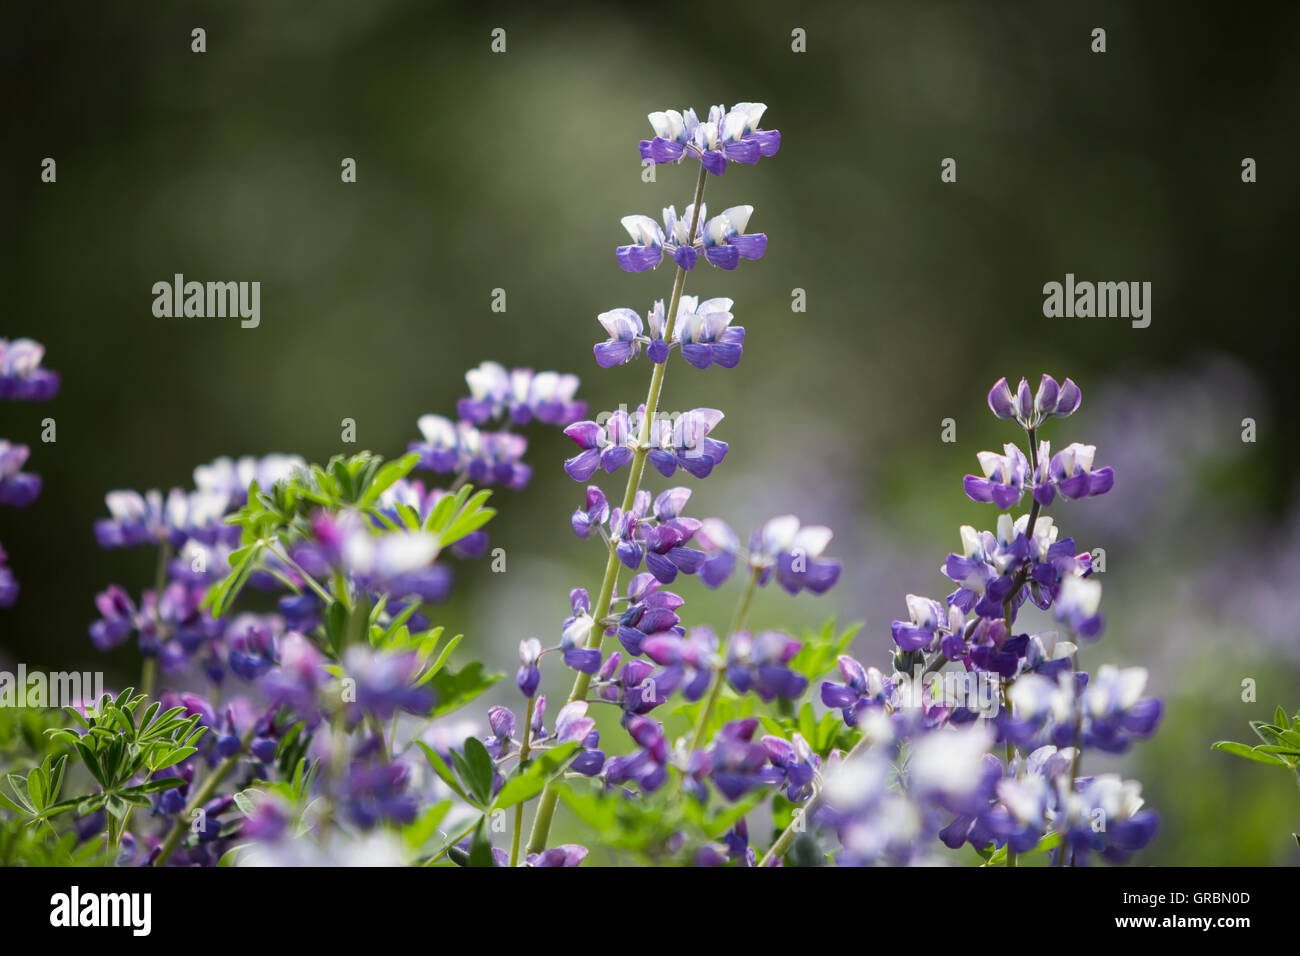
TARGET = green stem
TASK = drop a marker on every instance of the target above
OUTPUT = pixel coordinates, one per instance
(523, 758)
(201, 796)
(715, 682)
(149, 666)
(546, 803)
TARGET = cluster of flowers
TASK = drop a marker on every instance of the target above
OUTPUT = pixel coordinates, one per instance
(1050, 712)
(23, 379)
(497, 395)
(289, 677)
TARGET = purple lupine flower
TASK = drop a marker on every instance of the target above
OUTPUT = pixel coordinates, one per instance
(666, 552)
(797, 761)
(984, 570)
(738, 763)
(502, 722)
(1106, 712)
(686, 661)
(633, 688)
(650, 611)
(18, 488)
(706, 334)
(1070, 472)
(21, 376)
(794, 553)
(117, 618)
(927, 616)
(521, 394)
(624, 327)
(1078, 603)
(440, 449)
(1116, 710)
(650, 242)
(624, 530)
(575, 631)
(299, 679)
(722, 240)
(8, 583)
(593, 515)
(375, 790)
(251, 645)
(721, 547)
(758, 662)
(398, 563)
(1117, 801)
(149, 518)
(1031, 410)
(990, 565)
(725, 241)
(685, 443)
(864, 688)
(646, 250)
(529, 674)
(494, 457)
(702, 330)
(573, 725)
(726, 135)
(384, 683)
(230, 479)
(648, 766)
(1005, 477)
(566, 854)
(603, 446)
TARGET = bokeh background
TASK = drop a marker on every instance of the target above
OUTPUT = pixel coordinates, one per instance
(479, 171)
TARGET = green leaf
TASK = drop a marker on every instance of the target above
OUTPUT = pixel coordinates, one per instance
(387, 476)
(531, 780)
(421, 830)
(518, 789)
(1250, 753)
(442, 770)
(159, 784)
(596, 809)
(480, 848)
(454, 689)
(441, 662)
(475, 766)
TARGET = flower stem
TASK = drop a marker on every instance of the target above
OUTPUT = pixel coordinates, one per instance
(546, 804)
(201, 796)
(715, 684)
(149, 666)
(519, 807)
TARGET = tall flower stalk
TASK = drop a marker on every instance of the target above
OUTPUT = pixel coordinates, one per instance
(724, 135)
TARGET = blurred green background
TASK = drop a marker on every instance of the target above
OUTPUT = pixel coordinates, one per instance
(479, 171)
